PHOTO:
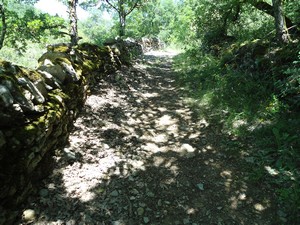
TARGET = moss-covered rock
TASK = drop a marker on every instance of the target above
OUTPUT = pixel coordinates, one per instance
(249, 55)
(259, 56)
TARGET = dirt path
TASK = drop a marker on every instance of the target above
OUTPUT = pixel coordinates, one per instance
(139, 155)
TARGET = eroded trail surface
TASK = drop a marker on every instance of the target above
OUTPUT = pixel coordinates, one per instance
(139, 155)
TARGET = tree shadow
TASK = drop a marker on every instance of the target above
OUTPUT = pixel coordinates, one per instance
(141, 156)
(267, 132)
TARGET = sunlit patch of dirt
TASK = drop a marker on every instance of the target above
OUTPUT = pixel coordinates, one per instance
(139, 155)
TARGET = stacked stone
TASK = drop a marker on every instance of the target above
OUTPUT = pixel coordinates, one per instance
(127, 49)
(37, 110)
(149, 44)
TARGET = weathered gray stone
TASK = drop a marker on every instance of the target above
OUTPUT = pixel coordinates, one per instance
(71, 71)
(41, 86)
(51, 82)
(56, 71)
(37, 96)
(6, 99)
(18, 97)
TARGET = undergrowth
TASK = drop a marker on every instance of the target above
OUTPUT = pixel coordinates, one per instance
(33, 51)
(248, 105)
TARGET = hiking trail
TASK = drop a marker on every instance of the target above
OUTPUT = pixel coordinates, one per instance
(139, 154)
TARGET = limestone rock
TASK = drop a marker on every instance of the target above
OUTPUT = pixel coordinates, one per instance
(28, 216)
(56, 71)
(41, 87)
(50, 81)
(6, 99)
(71, 71)
(38, 97)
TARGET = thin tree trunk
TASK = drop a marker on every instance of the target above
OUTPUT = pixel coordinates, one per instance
(282, 34)
(73, 22)
(122, 12)
(122, 25)
(4, 26)
(122, 18)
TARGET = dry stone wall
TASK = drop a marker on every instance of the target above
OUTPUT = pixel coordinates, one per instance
(37, 110)
(127, 49)
(151, 43)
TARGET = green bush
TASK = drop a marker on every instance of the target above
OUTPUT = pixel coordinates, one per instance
(33, 52)
(289, 88)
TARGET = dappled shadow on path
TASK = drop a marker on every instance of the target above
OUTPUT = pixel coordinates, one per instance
(139, 155)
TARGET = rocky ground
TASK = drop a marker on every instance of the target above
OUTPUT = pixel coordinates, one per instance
(139, 154)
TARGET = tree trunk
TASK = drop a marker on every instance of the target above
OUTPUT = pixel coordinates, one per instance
(268, 9)
(120, 7)
(4, 26)
(73, 22)
(122, 20)
(282, 33)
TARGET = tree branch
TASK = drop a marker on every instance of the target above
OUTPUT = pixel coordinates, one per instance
(132, 8)
(268, 9)
(113, 6)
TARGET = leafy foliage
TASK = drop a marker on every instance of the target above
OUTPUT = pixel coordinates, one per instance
(122, 8)
(96, 29)
(26, 23)
(290, 86)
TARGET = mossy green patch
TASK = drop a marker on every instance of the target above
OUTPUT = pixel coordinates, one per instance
(88, 65)
(59, 48)
(57, 98)
(5, 64)
(64, 60)
(31, 74)
(52, 56)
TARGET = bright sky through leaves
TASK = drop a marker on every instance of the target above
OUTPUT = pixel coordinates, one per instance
(54, 7)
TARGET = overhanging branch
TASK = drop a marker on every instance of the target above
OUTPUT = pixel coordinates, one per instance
(268, 9)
